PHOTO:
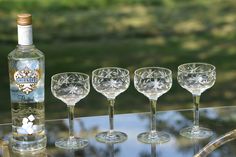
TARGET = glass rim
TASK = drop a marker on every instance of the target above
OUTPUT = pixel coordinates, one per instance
(80, 73)
(126, 70)
(199, 63)
(161, 68)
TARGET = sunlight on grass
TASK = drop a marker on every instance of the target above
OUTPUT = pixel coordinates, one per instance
(129, 18)
(230, 18)
(195, 45)
(160, 41)
(226, 30)
(189, 26)
(228, 76)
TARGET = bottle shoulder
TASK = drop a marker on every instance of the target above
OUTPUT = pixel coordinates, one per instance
(23, 52)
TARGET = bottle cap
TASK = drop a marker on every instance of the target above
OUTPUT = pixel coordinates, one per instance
(24, 19)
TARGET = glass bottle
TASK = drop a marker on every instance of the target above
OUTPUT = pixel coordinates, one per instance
(26, 73)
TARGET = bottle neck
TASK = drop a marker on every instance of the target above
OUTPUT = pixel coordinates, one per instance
(25, 35)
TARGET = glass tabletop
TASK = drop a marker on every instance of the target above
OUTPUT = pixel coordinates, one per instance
(220, 120)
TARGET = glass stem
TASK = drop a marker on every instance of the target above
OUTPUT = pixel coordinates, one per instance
(111, 115)
(196, 100)
(153, 106)
(71, 120)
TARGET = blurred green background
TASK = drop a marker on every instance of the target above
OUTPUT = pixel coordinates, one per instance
(82, 35)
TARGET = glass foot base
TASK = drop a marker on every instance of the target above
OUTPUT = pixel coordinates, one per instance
(196, 133)
(73, 143)
(110, 138)
(154, 137)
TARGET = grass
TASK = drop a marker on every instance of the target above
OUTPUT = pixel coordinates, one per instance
(132, 34)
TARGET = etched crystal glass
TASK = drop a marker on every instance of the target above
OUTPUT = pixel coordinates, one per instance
(111, 81)
(153, 82)
(196, 78)
(70, 87)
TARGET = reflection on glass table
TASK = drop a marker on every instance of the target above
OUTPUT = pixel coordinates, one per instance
(221, 120)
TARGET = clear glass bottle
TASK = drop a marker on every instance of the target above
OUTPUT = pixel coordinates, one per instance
(26, 73)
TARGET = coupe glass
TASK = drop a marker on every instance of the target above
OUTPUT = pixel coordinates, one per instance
(111, 81)
(70, 87)
(153, 82)
(196, 78)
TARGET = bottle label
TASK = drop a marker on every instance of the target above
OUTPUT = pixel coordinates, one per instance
(25, 35)
(26, 80)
